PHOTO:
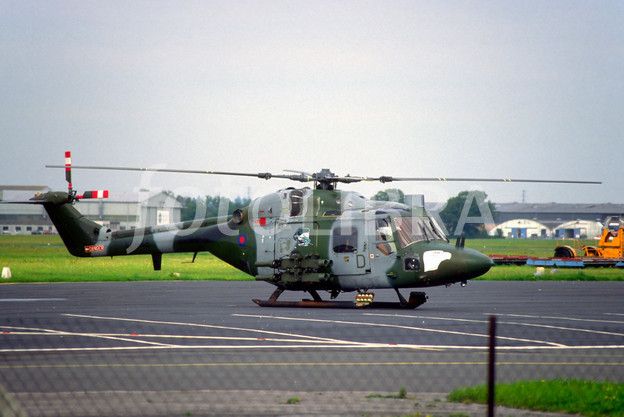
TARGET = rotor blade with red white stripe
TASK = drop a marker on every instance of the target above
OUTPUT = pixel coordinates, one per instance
(68, 176)
(93, 194)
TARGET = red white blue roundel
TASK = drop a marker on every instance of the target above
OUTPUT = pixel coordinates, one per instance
(241, 239)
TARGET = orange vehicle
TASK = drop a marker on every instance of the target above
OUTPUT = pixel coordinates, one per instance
(610, 246)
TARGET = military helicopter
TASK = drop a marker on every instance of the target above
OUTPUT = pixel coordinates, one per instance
(299, 239)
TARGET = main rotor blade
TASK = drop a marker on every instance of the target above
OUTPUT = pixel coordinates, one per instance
(384, 179)
(305, 177)
(264, 175)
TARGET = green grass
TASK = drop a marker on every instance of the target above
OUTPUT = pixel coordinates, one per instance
(293, 400)
(45, 259)
(539, 248)
(588, 398)
(542, 248)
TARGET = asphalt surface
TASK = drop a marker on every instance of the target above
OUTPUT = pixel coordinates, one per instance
(200, 337)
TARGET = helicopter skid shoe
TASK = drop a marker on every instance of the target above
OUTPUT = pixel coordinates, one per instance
(417, 299)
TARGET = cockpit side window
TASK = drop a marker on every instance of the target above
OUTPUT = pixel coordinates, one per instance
(437, 229)
(345, 239)
(296, 202)
(384, 240)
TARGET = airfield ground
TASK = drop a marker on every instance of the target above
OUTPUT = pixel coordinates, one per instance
(203, 348)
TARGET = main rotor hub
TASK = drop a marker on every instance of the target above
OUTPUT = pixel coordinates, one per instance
(324, 180)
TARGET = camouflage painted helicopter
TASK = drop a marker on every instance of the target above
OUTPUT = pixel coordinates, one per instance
(298, 239)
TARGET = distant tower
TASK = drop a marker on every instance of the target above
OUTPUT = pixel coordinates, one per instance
(523, 196)
(248, 192)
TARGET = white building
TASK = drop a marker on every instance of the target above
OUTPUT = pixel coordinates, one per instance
(521, 229)
(578, 229)
(119, 212)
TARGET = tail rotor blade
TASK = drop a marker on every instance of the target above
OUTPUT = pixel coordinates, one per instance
(68, 176)
(93, 194)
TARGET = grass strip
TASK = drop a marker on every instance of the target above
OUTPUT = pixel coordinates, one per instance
(45, 259)
(588, 398)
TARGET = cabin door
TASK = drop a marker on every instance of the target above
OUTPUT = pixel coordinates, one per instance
(348, 248)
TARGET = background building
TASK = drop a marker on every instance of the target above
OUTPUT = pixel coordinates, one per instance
(521, 220)
(555, 214)
(119, 212)
(521, 229)
(578, 229)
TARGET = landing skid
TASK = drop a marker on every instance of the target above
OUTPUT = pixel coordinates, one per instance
(416, 299)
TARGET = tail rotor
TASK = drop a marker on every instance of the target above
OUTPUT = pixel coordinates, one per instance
(73, 195)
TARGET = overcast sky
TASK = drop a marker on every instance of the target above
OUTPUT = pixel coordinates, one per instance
(530, 89)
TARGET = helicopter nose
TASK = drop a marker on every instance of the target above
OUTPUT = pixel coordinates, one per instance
(476, 263)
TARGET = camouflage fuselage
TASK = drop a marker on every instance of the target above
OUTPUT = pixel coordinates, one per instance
(297, 239)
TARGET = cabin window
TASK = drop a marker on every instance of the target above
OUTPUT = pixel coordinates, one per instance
(345, 239)
(296, 202)
(384, 241)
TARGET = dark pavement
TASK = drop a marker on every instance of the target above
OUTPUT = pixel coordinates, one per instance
(194, 336)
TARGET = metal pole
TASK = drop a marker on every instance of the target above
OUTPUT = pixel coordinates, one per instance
(491, 367)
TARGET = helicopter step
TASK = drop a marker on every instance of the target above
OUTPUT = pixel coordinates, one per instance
(416, 299)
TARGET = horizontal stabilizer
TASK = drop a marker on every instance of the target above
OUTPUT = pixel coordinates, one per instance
(52, 197)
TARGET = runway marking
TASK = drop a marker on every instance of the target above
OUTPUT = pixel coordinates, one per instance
(319, 343)
(29, 300)
(292, 340)
(547, 326)
(315, 346)
(614, 314)
(397, 326)
(166, 336)
(305, 364)
(210, 326)
(95, 335)
(559, 318)
(290, 335)
(210, 347)
(425, 317)
(574, 329)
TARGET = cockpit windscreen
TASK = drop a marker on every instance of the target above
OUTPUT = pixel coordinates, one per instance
(416, 229)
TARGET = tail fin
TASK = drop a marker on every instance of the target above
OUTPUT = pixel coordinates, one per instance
(76, 230)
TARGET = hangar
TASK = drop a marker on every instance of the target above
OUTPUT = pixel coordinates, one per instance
(554, 214)
(578, 229)
(521, 229)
